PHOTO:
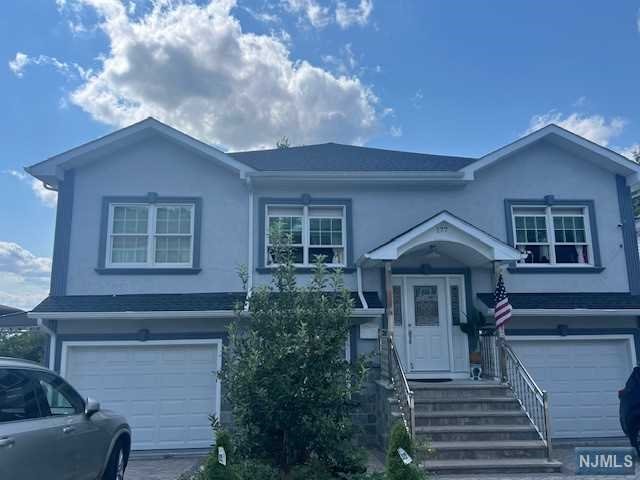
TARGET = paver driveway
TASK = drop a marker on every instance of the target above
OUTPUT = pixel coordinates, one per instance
(159, 468)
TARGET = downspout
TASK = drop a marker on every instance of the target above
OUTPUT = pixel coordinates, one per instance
(52, 341)
(251, 246)
(365, 306)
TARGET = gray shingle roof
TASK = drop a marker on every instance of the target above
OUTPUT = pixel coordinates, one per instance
(175, 302)
(5, 310)
(347, 158)
(582, 300)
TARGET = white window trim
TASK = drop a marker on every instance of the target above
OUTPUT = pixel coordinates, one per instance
(306, 233)
(151, 236)
(551, 234)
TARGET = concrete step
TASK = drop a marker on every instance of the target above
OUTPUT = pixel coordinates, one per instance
(471, 417)
(528, 465)
(468, 404)
(486, 450)
(456, 390)
(475, 433)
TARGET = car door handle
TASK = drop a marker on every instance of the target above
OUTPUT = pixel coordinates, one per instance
(7, 442)
(68, 429)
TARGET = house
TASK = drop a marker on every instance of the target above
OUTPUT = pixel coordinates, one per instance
(152, 225)
(14, 318)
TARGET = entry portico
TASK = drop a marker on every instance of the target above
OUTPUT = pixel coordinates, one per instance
(428, 272)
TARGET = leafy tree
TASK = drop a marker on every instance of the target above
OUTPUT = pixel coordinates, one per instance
(26, 344)
(395, 467)
(283, 143)
(285, 374)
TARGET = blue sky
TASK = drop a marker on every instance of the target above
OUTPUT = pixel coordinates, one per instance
(455, 77)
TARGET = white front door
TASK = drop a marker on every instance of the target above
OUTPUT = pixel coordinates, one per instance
(428, 328)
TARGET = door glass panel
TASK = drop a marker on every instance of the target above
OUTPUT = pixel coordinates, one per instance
(426, 306)
(397, 304)
(455, 304)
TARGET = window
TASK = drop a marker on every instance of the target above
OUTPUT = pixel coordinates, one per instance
(58, 396)
(149, 235)
(17, 397)
(314, 231)
(553, 235)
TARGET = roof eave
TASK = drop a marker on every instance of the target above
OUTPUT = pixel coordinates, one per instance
(571, 312)
(616, 162)
(52, 169)
(148, 315)
(362, 176)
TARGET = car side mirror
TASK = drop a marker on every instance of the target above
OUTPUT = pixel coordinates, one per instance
(91, 406)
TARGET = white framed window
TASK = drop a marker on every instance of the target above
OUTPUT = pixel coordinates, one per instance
(314, 230)
(150, 235)
(553, 235)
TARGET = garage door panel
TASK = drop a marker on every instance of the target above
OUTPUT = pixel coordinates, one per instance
(582, 377)
(167, 392)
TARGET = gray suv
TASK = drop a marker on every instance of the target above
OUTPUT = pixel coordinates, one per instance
(48, 431)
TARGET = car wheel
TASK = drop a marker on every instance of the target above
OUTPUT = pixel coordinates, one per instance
(117, 464)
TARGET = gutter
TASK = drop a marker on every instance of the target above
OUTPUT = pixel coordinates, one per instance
(356, 312)
(52, 339)
(251, 245)
(363, 301)
(572, 312)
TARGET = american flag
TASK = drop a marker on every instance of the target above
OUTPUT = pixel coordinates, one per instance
(502, 309)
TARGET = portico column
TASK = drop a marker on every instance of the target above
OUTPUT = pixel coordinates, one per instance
(388, 285)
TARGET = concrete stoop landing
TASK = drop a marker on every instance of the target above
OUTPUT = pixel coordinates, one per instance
(477, 427)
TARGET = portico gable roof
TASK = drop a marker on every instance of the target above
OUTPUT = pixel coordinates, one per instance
(443, 227)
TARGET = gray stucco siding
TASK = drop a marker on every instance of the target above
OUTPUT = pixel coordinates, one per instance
(381, 212)
(170, 171)
(567, 326)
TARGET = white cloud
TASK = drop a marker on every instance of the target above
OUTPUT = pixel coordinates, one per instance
(193, 66)
(359, 15)
(317, 15)
(580, 101)
(22, 60)
(395, 131)
(417, 98)
(345, 64)
(630, 152)
(24, 277)
(48, 197)
(593, 127)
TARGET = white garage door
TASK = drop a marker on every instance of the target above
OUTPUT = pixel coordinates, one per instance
(583, 376)
(166, 390)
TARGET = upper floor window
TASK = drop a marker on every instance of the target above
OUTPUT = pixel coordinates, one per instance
(554, 235)
(313, 230)
(150, 235)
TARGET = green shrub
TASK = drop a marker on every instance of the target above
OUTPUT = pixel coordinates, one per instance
(213, 470)
(395, 468)
(251, 470)
(284, 372)
(311, 471)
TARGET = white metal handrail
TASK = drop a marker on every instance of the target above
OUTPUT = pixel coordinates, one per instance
(398, 379)
(501, 362)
